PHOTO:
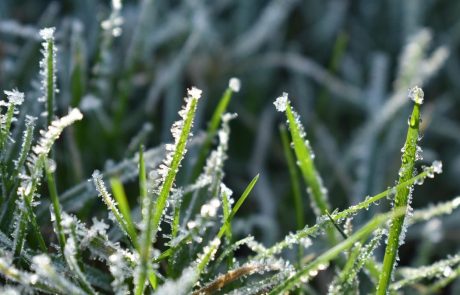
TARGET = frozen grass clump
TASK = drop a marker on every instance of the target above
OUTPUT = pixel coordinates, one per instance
(89, 205)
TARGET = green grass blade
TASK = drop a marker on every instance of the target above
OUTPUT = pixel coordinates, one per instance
(48, 71)
(403, 194)
(122, 201)
(56, 206)
(142, 175)
(153, 217)
(113, 206)
(304, 155)
(294, 176)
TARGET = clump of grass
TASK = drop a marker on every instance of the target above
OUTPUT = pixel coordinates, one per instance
(170, 236)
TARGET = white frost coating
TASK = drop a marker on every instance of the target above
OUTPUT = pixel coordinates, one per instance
(15, 97)
(437, 167)
(234, 84)
(41, 261)
(210, 209)
(209, 252)
(416, 94)
(180, 286)
(9, 291)
(191, 224)
(47, 33)
(48, 138)
(116, 4)
(215, 161)
(115, 21)
(48, 40)
(281, 102)
(194, 92)
(117, 267)
(433, 230)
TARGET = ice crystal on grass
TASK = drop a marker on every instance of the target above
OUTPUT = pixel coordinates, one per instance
(48, 70)
(416, 95)
(442, 268)
(115, 21)
(15, 97)
(210, 209)
(46, 141)
(234, 84)
(117, 267)
(437, 167)
(179, 286)
(445, 208)
(281, 102)
(46, 271)
(47, 33)
(106, 197)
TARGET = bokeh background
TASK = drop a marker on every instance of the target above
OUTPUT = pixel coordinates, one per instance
(347, 66)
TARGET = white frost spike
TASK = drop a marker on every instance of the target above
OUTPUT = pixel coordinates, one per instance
(437, 167)
(15, 97)
(281, 102)
(210, 209)
(54, 131)
(48, 38)
(194, 92)
(47, 33)
(115, 21)
(416, 94)
(116, 4)
(433, 230)
(234, 84)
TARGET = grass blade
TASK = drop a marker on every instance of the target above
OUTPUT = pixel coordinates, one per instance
(120, 198)
(152, 218)
(403, 194)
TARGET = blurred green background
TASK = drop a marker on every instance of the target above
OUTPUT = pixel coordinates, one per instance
(347, 66)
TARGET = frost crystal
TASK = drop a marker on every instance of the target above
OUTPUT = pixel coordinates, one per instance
(281, 102)
(194, 92)
(433, 230)
(54, 131)
(437, 167)
(47, 33)
(15, 97)
(115, 21)
(416, 94)
(210, 209)
(234, 84)
(48, 65)
(104, 194)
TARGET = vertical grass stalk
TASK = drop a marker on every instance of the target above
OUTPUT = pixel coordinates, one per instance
(48, 71)
(304, 155)
(403, 194)
(168, 170)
